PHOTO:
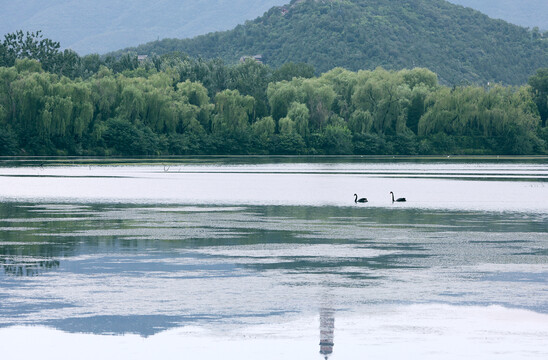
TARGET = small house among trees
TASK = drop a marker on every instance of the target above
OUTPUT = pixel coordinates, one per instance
(258, 58)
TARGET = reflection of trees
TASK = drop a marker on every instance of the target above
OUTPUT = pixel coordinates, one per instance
(31, 242)
(32, 259)
(31, 267)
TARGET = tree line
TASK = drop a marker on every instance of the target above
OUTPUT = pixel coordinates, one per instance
(177, 105)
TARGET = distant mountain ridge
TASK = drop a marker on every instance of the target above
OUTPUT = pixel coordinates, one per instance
(527, 13)
(107, 25)
(459, 44)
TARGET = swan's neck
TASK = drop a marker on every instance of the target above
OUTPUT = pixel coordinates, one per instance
(392, 197)
(355, 198)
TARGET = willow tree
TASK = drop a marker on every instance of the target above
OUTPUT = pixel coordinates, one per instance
(505, 115)
(196, 95)
(233, 112)
(385, 96)
(7, 101)
(132, 103)
(263, 129)
(319, 97)
(343, 83)
(539, 88)
(56, 116)
(286, 126)
(453, 112)
(159, 110)
(300, 116)
(280, 96)
(251, 78)
(29, 94)
(82, 107)
(361, 122)
(419, 77)
(105, 92)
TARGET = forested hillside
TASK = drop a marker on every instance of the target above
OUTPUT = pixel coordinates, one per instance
(459, 44)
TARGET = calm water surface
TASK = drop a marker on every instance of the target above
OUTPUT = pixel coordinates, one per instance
(273, 259)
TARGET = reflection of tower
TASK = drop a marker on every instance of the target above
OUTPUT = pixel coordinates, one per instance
(327, 331)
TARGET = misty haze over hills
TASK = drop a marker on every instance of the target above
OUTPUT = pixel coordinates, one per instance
(101, 26)
(527, 13)
(107, 25)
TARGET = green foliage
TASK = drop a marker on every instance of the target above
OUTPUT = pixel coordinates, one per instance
(290, 70)
(286, 126)
(8, 141)
(416, 108)
(233, 112)
(45, 52)
(361, 122)
(280, 95)
(371, 144)
(195, 93)
(385, 97)
(472, 111)
(251, 78)
(405, 144)
(539, 87)
(300, 116)
(165, 107)
(31, 45)
(337, 140)
(289, 143)
(319, 98)
(124, 138)
(27, 65)
(262, 132)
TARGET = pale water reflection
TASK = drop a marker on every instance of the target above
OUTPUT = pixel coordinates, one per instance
(381, 332)
(274, 260)
(438, 185)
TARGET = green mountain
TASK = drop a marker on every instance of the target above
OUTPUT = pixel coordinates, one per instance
(460, 44)
(108, 25)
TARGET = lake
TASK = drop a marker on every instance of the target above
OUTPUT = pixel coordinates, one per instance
(270, 257)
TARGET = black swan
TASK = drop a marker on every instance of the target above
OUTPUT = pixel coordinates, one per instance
(362, 200)
(398, 199)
